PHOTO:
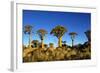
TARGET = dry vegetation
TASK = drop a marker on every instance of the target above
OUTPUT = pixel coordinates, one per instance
(78, 52)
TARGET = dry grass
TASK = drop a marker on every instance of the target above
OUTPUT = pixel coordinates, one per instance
(55, 54)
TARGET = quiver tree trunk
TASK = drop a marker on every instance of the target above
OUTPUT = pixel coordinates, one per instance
(42, 44)
(30, 37)
(72, 42)
(60, 41)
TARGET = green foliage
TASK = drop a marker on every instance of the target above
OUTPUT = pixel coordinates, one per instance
(58, 31)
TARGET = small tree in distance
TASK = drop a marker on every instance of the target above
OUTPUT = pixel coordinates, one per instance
(42, 33)
(73, 34)
(28, 30)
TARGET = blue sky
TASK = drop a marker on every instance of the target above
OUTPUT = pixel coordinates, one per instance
(72, 21)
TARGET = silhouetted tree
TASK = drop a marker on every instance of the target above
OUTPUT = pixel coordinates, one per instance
(28, 30)
(88, 35)
(72, 34)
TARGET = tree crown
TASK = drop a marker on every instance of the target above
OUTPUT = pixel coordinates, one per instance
(58, 31)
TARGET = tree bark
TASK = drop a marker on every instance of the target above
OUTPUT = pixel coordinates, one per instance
(72, 42)
(42, 44)
(30, 36)
(60, 42)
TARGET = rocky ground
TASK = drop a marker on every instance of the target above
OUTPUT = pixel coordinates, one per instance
(79, 52)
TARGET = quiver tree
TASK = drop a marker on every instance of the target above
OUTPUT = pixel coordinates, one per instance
(72, 34)
(59, 31)
(51, 45)
(42, 33)
(88, 35)
(64, 43)
(35, 43)
(28, 30)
